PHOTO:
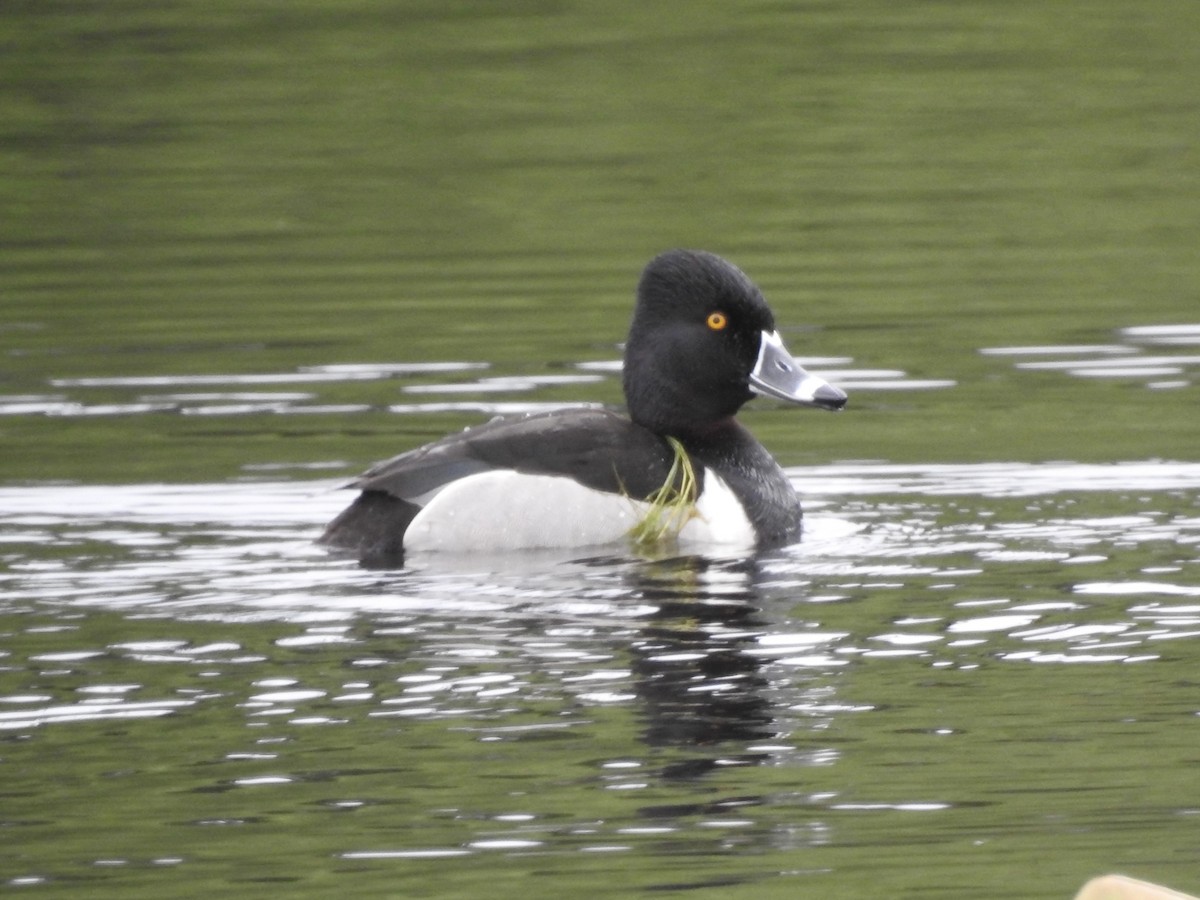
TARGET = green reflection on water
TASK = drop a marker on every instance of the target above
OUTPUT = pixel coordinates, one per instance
(230, 189)
(904, 775)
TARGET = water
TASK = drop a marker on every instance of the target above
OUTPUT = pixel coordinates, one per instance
(248, 251)
(960, 667)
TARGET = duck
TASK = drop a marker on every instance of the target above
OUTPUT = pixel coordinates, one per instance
(678, 466)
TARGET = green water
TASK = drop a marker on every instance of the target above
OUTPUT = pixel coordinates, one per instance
(222, 201)
(237, 189)
(965, 695)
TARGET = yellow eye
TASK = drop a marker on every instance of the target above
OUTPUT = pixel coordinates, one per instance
(717, 320)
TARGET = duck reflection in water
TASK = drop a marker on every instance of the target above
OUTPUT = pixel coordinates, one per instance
(699, 688)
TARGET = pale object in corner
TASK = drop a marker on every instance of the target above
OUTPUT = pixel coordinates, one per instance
(1118, 887)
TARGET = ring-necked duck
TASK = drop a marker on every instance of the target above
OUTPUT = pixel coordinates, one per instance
(702, 342)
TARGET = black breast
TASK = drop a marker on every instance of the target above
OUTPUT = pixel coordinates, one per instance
(754, 477)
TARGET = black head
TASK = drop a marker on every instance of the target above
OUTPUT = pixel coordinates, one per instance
(693, 342)
(701, 329)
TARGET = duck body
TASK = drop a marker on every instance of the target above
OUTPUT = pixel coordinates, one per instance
(577, 477)
(702, 343)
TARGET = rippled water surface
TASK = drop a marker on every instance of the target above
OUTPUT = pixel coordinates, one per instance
(248, 249)
(960, 666)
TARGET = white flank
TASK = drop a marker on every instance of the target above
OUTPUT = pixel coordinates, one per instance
(720, 517)
(507, 510)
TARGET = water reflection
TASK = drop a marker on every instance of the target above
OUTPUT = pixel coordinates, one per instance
(696, 682)
(690, 641)
(1124, 361)
(167, 393)
(552, 704)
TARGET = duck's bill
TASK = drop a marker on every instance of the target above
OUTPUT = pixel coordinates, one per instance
(777, 374)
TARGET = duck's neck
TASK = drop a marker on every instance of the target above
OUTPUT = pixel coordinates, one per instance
(756, 479)
(718, 430)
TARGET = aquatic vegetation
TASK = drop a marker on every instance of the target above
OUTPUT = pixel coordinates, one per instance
(672, 505)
